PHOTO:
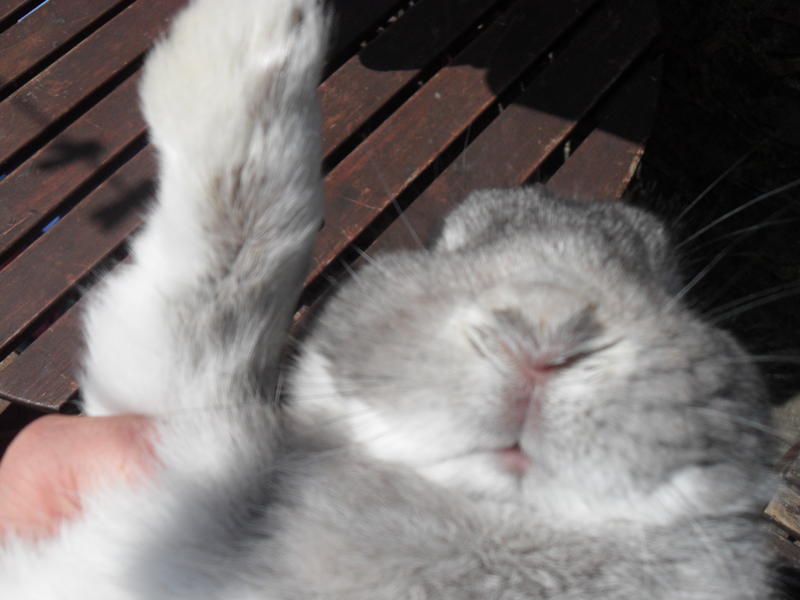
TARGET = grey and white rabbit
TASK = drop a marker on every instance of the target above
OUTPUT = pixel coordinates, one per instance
(525, 410)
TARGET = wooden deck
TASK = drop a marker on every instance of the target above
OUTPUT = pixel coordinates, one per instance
(422, 103)
(784, 510)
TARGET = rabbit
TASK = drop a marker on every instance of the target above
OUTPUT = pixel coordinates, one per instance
(526, 409)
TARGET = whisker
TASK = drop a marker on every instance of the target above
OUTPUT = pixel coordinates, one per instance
(407, 224)
(716, 182)
(400, 213)
(350, 271)
(720, 318)
(757, 426)
(737, 210)
(791, 287)
(744, 232)
(370, 260)
(698, 277)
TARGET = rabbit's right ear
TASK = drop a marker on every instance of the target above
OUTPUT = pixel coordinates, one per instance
(656, 241)
(490, 214)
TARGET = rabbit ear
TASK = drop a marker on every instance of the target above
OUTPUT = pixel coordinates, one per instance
(653, 238)
(484, 213)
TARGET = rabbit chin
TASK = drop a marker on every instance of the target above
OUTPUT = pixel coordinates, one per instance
(491, 471)
(495, 477)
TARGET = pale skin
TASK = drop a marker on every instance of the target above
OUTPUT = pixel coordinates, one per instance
(57, 459)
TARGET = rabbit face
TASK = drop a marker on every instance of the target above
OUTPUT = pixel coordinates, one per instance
(546, 364)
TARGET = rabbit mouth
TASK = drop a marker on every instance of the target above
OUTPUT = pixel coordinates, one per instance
(514, 460)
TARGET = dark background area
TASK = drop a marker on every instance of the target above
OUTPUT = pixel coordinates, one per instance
(730, 102)
(730, 105)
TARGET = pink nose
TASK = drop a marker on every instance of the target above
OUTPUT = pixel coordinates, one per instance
(520, 405)
(532, 375)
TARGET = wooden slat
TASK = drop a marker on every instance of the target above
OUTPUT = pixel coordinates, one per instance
(606, 47)
(47, 269)
(16, 319)
(13, 417)
(358, 189)
(32, 191)
(26, 380)
(603, 165)
(784, 547)
(790, 468)
(363, 84)
(45, 180)
(52, 94)
(44, 375)
(37, 37)
(784, 509)
(354, 18)
(541, 118)
(9, 7)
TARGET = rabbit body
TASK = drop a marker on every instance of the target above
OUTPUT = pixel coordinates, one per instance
(526, 409)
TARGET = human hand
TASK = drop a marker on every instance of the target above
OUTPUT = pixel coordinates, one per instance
(57, 459)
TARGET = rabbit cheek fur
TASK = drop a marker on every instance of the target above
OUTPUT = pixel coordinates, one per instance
(547, 338)
(524, 410)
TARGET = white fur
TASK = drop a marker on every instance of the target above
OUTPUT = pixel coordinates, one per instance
(236, 100)
(229, 97)
(536, 323)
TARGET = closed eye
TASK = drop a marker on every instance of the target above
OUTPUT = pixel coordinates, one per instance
(571, 358)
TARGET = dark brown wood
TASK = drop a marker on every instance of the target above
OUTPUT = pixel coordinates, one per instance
(8, 8)
(29, 111)
(784, 509)
(356, 18)
(604, 163)
(790, 468)
(43, 376)
(30, 193)
(367, 81)
(784, 546)
(13, 417)
(548, 111)
(527, 136)
(359, 188)
(30, 42)
(46, 270)
(393, 156)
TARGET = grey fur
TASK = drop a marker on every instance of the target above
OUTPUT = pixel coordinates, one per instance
(690, 405)
(395, 469)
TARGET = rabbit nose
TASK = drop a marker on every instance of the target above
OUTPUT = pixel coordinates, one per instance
(519, 406)
(524, 405)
